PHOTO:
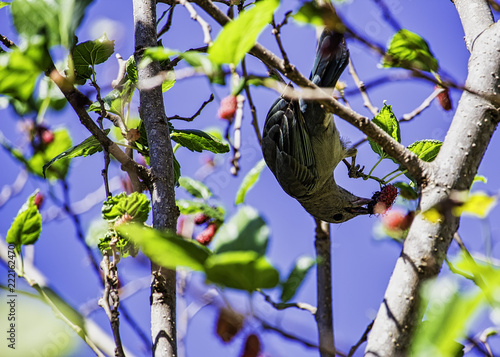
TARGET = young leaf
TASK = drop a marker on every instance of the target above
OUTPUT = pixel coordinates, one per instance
(27, 225)
(136, 205)
(191, 207)
(177, 171)
(296, 277)
(478, 204)
(195, 188)
(310, 13)
(89, 53)
(166, 248)
(3, 3)
(241, 270)
(197, 140)
(426, 150)
(409, 50)
(86, 148)
(238, 36)
(249, 181)
(245, 231)
(388, 122)
(59, 169)
(114, 100)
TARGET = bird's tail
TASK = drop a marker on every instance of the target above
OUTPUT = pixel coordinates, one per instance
(332, 57)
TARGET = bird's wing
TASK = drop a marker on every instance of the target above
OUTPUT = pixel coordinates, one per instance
(287, 148)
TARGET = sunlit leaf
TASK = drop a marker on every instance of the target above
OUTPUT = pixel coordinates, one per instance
(241, 270)
(409, 50)
(90, 53)
(388, 122)
(296, 277)
(246, 230)
(135, 205)
(165, 248)
(426, 150)
(195, 188)
(59, 169)
(405, 190)
(238, 36)
(57, 19)
(88, 147)
(197, 140)
(191, 207)
(432, 215)
(478, 204)
(27, 225)
(249, 181)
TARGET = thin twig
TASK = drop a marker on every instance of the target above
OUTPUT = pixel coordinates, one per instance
(255, 123)
(9, 191)
(122, 70)
(195, 114)
(425, 104)
(300, 340)
(6, 42)
(283, 305)
(495, 5)
(386, 13)
(167, 25)
(276, 32)
(363, 339)
(362, 89)
(235, 162)
(194, 15)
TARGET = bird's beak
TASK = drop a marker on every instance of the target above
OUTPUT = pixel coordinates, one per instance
(357, 206)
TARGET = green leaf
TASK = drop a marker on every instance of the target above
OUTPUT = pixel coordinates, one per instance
(480, 178)
(485, 274)
(388, 122)
(195, 188)
(166, 248)
(115, 100)
(478, 204)
(238, 36)
(187, 207)
(177, 171)
(405, 190)
(3, 3)
(27, 225)
(136, 205)
(131, 68)
(245, 231)
(59, 169)
(20, 69)
(426, 150)
(409, 50)
(199, 61)
(249, 181)
(197, 140)
(86, 148)
(56, 19)
(448, 314)
(90, 53)
(296, 277)
(241, 270)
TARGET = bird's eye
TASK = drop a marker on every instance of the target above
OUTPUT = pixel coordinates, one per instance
(338, 217)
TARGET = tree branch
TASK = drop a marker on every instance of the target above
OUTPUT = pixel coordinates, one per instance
(165, 211)
(416, 167)
(454, 169)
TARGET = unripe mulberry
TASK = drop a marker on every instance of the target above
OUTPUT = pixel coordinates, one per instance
(206, 236)
(444, 99)
(227, 108)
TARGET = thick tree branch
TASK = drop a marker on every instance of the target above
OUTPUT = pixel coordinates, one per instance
(165, 212)
(454, 169)
(410, 161)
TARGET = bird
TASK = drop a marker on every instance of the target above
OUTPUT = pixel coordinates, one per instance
(302, 146)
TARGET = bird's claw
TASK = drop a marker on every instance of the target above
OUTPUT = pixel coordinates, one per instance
(356, 171)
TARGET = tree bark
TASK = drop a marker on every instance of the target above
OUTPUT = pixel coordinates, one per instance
(165, 212)
(454, 168)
